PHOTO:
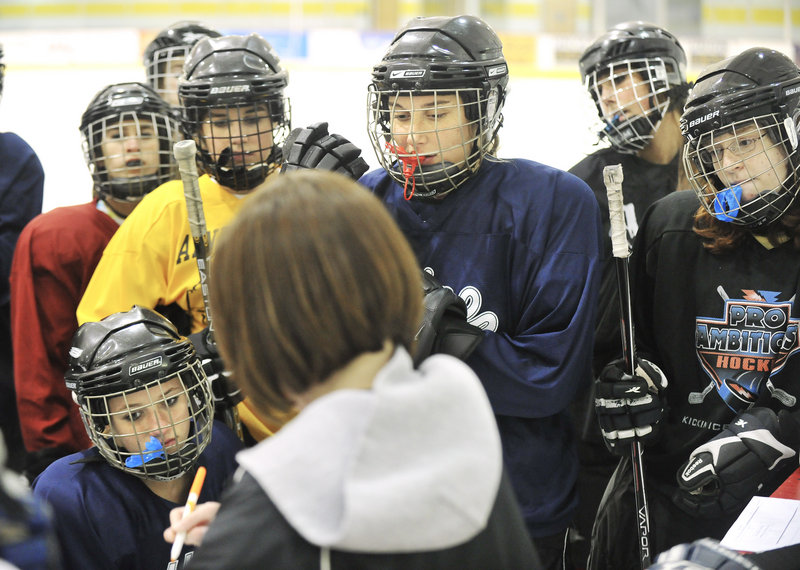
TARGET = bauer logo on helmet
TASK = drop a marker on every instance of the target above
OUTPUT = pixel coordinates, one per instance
(146, 365)
(230, 89)
(703, 119)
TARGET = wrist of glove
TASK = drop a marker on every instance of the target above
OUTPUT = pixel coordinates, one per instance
(224, 390)
(314, 147)
(705, 553)
(444, 328)
(629, 408)
(753, 453)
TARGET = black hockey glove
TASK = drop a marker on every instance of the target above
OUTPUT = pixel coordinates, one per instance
(313, 147)
(705, 554)
(629, 408)
(444, 325)
(752, 452)
(226, 393)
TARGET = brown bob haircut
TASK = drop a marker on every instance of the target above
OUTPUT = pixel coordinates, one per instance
(312, 272)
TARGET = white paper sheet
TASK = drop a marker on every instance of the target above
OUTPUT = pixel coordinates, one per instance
(766, 523)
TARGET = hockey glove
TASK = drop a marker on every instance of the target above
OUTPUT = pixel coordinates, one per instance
(629, 408)
(444, 326)
(751, 452)
(226, 393)
(313, 147)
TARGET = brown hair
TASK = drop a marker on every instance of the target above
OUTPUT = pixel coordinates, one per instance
(312, 272)
(723, 237)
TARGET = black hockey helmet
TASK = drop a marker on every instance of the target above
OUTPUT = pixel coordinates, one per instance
(438, 55)
(140, 352)
(129, 173)
(750, 100)
(652, 58)
(167, 51)
(242, 76)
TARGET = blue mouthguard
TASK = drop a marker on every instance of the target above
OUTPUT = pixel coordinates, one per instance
(156, 452)
(727, 203)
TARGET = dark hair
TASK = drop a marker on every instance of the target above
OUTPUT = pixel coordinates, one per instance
(311, 273)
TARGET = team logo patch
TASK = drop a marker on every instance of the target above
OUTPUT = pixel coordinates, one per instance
(144, 366)
(742, 350)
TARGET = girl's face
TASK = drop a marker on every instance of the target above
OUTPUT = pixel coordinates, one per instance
(159, 410)
(244, 134)
(433, 128)
(130, 149)
(623, 96)
(748, 158)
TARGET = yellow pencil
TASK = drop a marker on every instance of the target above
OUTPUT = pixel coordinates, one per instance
(191, 503)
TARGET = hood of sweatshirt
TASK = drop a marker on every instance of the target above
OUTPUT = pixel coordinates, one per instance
(413, 464)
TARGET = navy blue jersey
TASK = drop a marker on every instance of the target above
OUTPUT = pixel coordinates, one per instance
(106, 518)
(520, 243)
(21, 193)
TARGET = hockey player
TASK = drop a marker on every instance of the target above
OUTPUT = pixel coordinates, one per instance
(385, 466)
(714, 286)
(636, 76)
(165, 54)
(128, 133)
(148, 409)
(519, 241)
(21, 191)
(232, 95)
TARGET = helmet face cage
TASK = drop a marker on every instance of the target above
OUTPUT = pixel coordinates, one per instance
(240, 142)
(631, 96)
(745, 173)
(432, 141)
(163, 70)
(129, 153)
(156, 431)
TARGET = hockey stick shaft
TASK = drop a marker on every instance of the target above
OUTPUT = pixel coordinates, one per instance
(612, 176)
(185, 152)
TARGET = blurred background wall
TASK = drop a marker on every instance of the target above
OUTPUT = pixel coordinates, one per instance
(59, 53)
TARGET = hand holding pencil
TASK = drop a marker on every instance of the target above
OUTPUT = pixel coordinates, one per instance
(188, 524)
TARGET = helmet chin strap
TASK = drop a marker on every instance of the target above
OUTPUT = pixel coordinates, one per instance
(727, 203)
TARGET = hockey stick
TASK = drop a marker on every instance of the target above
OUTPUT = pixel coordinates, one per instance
(612, 176)
(185, 155)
